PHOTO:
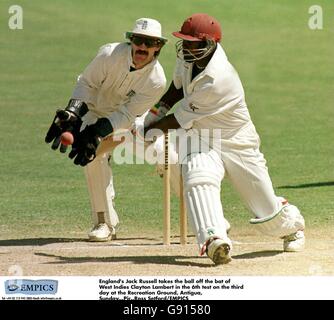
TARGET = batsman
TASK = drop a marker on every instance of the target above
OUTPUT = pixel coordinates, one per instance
(121, 83)
(213, 110)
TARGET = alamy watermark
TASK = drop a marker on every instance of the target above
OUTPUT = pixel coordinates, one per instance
(15, 270)
(315, 21)
(15, 21)
(132, 149)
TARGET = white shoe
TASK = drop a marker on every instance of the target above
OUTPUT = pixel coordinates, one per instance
(100, 233)
(294, 242)
(219, 251)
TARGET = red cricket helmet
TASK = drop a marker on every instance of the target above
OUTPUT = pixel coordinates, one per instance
(200, 27)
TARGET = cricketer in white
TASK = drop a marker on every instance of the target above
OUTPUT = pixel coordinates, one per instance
(112, 90)
(121, 83)
(212, 97)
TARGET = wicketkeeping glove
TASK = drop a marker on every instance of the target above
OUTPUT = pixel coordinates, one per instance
(68, 119)
(85, 145)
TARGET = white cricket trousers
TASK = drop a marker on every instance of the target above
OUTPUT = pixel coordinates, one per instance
(99, 176)
(99, 181)
(202, 177)
(241, 161)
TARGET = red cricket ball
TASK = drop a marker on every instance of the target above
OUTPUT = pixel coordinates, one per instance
(67, 138)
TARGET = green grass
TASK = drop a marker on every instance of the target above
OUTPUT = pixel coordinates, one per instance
(286, 69)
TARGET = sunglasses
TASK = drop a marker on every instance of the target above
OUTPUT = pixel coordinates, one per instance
(149, 43)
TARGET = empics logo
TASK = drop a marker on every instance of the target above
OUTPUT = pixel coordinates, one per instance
(12, 287)
(31, 287)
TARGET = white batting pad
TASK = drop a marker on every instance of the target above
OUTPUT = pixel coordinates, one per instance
(202, 179)
(282, 223)
(101, 191)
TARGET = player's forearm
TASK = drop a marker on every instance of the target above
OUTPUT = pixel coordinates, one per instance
(172, 95)
(168, 122)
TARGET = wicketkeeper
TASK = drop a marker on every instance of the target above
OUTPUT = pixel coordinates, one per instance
(122, 82)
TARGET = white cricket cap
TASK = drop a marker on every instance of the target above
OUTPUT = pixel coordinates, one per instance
(147, 27)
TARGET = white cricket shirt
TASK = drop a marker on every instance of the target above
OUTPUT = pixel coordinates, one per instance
(214, 99)
(111, 90)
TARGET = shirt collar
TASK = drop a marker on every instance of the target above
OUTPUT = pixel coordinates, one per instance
(218, 56)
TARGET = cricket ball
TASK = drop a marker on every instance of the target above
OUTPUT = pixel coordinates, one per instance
(67, 138)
